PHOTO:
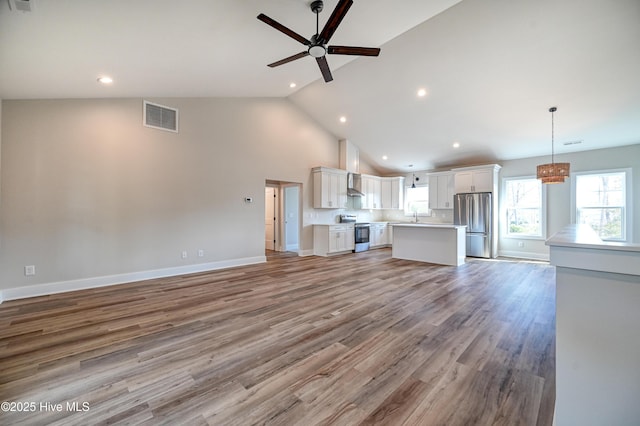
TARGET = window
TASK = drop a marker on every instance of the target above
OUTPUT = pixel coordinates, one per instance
(523, 200)
(417, 201)
(601, 202)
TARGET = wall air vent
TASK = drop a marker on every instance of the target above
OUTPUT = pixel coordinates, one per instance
(21, 5)
(160, 117)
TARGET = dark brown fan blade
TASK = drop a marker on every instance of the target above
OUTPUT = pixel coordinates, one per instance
(278, 26)
(324, 68)
(289, 59)
(352, 50)
(334, 20)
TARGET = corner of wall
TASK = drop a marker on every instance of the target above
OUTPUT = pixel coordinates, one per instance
(1, 231)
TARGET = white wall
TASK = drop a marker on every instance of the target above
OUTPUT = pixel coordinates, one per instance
(87, 191)
(0, 173)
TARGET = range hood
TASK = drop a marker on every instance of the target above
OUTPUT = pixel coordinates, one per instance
(354, 185)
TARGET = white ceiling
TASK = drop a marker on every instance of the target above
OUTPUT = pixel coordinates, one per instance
(491, 68)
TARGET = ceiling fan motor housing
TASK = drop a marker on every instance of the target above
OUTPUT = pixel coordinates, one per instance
(316, 49)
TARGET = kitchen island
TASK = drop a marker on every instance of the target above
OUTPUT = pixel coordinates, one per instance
(444, 244)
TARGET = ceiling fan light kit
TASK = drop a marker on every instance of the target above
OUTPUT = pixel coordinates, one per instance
(317, 45)
(552, 172)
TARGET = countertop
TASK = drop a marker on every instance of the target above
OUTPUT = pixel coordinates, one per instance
(582, 236)
(427, 225)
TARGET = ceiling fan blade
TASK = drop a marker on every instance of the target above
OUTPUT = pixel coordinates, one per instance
(289, 59)
(334, 20)
(278, 26)
(324, 68)
(353, 50)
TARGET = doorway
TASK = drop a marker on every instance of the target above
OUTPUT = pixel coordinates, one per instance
(270, 218)
(283, 216)
(291, 218)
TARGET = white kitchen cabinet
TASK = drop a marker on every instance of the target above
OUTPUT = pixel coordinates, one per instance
(392, 193)
(378, 235)
(329, 188)
(441, 190)
(332, 239)
(382, 192)
(476, 179)
(371, 188)
(341, 240)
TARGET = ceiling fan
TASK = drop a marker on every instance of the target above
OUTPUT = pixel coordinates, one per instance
(317, 45)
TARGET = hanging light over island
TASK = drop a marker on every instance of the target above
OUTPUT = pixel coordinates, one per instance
(553, 172)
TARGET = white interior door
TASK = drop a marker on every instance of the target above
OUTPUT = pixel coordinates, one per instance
(270, 218)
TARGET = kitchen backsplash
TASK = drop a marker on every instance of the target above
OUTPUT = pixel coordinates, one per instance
(437, 216)
(333, 216)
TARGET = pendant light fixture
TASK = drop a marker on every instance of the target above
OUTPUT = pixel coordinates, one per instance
(413, 184)
(553, 172)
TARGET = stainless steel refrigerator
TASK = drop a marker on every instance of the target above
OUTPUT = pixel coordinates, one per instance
(474, 211)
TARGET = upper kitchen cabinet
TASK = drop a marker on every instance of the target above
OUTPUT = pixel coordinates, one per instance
(382, 192)
(441, 190)
(392, 193)
(476, 179)
(371, 188)
(329, 188)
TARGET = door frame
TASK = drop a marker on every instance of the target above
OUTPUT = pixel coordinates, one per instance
(280, 228)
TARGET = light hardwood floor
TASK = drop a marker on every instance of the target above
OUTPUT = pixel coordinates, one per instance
(354, 339)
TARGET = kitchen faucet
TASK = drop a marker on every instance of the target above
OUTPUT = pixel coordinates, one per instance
(415, 216)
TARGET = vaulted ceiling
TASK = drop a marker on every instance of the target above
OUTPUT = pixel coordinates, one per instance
(490, 68)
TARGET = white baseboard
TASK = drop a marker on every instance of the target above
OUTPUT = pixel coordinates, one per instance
(94, 282)
(305, 252)
(292, 247)
(524, 255)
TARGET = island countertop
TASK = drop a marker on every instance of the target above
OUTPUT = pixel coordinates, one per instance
(578, 246)
(426, 225)
(582, 236)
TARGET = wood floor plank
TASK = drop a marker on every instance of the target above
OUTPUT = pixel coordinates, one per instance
(399, 405)
(353, 339)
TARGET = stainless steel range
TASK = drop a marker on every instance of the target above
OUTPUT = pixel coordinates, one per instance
(361, 231)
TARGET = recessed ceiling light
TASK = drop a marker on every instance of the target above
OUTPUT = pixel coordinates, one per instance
(105, 79)
(456, 145)
(422, 93)
(384, 157)
(292, 85)
(343, 119)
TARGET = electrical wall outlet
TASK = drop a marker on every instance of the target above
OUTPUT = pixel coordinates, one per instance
(520, 244)
(184, 254)
(29, 270)
(200, 253)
